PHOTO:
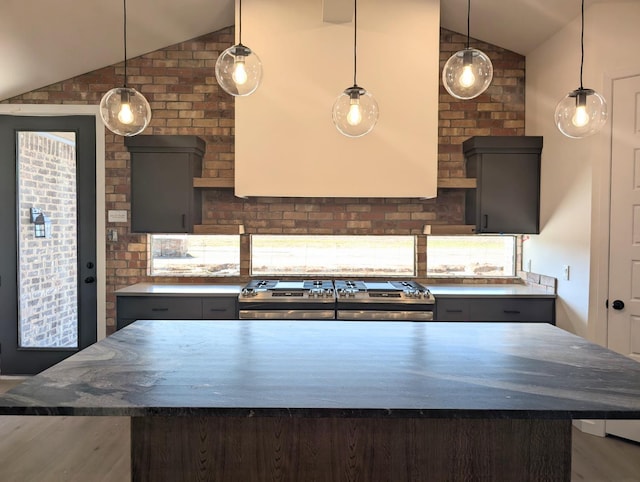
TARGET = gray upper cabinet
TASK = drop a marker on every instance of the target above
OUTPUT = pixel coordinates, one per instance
(163, 199)
(507, 170)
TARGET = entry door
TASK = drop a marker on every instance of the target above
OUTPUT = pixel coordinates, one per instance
(623, 323)
(47, 240)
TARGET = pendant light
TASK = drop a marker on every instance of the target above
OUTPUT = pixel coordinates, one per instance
(124, 110)
(468, 72)
(238, 69)
(581, 112)
(355, 111)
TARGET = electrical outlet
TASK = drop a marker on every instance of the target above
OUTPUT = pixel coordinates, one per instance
(566, 271)
(529, 265)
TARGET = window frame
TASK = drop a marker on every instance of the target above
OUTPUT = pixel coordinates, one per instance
(195, 274)
(515, 257)
(332, 273)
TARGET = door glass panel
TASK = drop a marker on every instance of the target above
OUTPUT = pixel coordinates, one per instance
(47, 240)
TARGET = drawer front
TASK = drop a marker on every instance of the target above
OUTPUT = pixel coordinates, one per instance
(159, 308)
(509, 309)
(220, 308)
(122, 322)
(452, 310)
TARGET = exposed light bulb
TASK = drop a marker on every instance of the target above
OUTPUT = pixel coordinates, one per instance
(581, 113)
(239, 71)
(125, 115)
(355, 112)
(354, 117)
(580, 118)
(467, 79)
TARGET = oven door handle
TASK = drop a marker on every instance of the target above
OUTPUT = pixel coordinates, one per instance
(371, 315)
(287, 315)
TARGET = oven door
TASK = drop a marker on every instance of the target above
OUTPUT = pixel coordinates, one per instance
(391, 315)
(273, 314)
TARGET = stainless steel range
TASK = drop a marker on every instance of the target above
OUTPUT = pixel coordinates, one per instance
(287, 300)
(383, 301)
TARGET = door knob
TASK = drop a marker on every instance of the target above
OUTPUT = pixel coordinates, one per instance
(89, 279)
(617, 304)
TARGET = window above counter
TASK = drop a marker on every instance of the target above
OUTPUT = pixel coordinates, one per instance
(221, 255)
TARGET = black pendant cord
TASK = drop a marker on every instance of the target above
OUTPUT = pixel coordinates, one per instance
(582, 45)
(240, 22)
(355, 39)
(468, 20)
(125, 43)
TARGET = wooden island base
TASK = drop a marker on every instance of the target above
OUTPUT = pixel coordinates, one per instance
(349, 449)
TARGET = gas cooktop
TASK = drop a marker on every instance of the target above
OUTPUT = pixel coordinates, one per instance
(278, 289)
(383, 291)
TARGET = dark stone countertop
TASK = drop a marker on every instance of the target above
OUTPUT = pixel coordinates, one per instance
(338, 369)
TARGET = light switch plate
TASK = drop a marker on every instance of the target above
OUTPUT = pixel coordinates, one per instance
(117, 216)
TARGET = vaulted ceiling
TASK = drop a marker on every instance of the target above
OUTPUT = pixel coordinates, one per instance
(43, 42)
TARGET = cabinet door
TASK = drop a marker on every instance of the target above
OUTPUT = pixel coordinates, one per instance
(161, 193)
(158, 308)
(498, 309)
(452, 309)
(508, 193)
(220, 308)
(513, 310)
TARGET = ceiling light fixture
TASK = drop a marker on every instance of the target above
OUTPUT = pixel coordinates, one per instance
(581, 112)
(468, 72)
(124, 110)
(355, 111)
(238, 69)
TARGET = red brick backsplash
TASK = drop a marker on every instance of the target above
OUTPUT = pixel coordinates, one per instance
(180, 84)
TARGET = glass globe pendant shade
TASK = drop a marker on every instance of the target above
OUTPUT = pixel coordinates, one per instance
(581, 113)
(467, 73)
(125, 111)
(239, 70)
(355, 112)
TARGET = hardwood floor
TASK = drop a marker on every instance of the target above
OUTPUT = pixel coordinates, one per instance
(87, 449)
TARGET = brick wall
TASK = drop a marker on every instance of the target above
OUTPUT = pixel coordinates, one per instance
(48, 287)
(180, 84)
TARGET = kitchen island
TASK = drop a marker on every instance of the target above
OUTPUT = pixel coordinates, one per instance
(333, 400)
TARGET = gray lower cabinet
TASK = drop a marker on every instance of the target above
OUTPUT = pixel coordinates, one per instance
(500, 309)
(132, 308)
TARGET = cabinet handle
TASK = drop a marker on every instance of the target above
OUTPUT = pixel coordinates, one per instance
(485, 223)
(217, 309)
(184, 220)
(159, 309)
(512, 312)
(454, 311)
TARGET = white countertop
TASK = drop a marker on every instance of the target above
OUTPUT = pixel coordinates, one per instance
(487, 290)
(438, 290)
(150, 289)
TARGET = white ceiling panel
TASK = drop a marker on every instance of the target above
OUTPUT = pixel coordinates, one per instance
(43, 42)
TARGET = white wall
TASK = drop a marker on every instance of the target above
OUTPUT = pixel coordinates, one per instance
(573, 230)
(286, 143)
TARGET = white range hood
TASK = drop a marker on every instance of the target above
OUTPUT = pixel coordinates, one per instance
(286, 143)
